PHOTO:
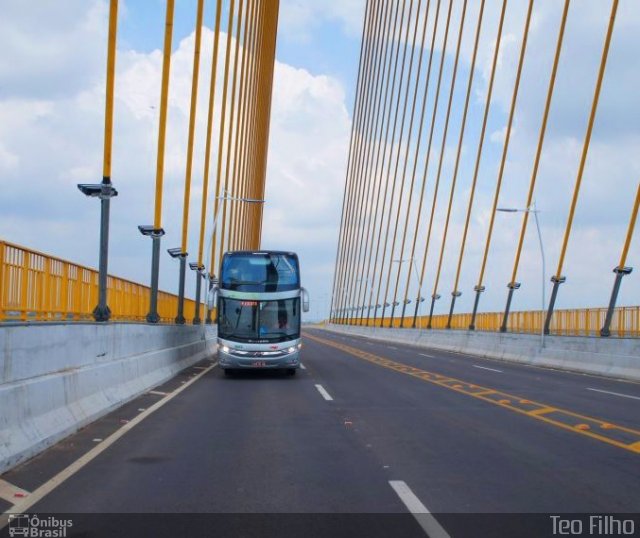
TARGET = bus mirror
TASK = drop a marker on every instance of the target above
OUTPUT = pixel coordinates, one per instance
(212, 297)
(305, 300)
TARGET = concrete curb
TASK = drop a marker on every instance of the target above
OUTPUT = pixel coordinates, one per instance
(49, 391)
(618, 358)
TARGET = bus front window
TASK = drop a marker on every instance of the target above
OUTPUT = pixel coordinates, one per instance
(259, 320)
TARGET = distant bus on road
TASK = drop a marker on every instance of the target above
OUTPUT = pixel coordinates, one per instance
(259, 302)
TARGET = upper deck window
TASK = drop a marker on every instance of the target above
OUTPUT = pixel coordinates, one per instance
(260, 272)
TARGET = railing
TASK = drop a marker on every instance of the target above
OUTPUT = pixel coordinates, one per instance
(578, 322)
(39, 287)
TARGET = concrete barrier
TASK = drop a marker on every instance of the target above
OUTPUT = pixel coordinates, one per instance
(56, 378)
(611, 357)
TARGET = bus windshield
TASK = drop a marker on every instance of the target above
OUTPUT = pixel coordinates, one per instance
(259, 321)
(260, 272)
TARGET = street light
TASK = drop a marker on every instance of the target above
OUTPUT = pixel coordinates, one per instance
(366, 285)
(406, 302)
(182, 256)
(515, 285)
(200, 270)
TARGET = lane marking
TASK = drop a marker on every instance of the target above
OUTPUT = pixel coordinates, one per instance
(324, 393)
(419, 511)
(157, 393)
(46, 488)
(391, 347)
(8, 491)
(601, 430)
(425, 355)
(485, 368)
(542, 411)
(303, 366)
(615, 394)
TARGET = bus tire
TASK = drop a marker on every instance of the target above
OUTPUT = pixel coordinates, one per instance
(228, 372)
(291, 371)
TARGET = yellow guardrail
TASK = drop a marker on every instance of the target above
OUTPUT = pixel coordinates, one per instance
(38, 287)
(576, 322)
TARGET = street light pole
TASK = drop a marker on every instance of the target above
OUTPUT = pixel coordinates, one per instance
(515, 285)
(419, 299)
(105, 190)
(225, 197)
(366, 285)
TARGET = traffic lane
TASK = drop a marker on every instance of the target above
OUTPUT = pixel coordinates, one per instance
(261, 443)
(465, 455)
(612, 400)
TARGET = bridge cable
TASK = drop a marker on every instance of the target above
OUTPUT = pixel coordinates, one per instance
(513, 285)
(365, 161)
(345, 268)
(436, 103)
(364, 44)
(558, 278)
(505, 149)
(381, 114)
(444, 139)
(474, 182)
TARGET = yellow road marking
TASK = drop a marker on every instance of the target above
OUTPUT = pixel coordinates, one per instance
(502, 399)
(542, 411)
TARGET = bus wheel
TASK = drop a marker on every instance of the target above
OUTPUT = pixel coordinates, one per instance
(291, 371)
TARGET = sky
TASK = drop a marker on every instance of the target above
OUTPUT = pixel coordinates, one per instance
(51, 129)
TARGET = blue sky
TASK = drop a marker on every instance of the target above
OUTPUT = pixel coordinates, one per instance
(326, 47)
(52, 117)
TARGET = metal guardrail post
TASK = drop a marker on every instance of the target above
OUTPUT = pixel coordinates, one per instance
(620, 273)
(479, 290)
(434, 298)
(552, 303)
(507, 309)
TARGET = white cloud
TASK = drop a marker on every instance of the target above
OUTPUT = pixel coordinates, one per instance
(51, 133)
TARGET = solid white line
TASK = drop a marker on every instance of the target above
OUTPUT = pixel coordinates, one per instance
(615, 394)
(303, 366)
(425, 355)
(72, 469)
(485, 368)
(324, 393)
(424, 518)
(8, 491)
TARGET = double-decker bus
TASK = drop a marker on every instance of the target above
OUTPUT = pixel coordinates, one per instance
(259, 301)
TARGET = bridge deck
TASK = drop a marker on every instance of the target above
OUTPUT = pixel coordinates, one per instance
(267, 443)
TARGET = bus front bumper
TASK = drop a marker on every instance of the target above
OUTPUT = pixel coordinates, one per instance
(230, 360)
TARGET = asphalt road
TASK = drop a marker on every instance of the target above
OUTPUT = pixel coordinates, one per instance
(365, 434)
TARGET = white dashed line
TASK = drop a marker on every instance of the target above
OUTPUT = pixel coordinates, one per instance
(485, 368)
(424, 518)
(303, 366)
(324, 393)
(391, 347)
(425, 355)
(615, 394)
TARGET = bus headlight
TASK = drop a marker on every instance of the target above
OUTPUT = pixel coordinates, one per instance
(225, 349)
(292, 349)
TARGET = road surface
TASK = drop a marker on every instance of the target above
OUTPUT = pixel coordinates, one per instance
(370, 437)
